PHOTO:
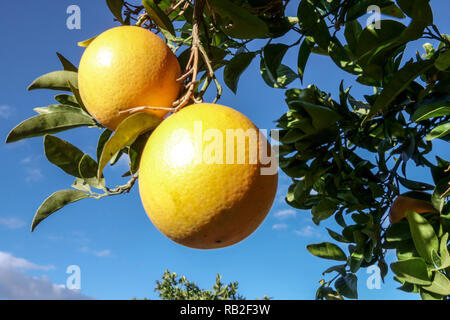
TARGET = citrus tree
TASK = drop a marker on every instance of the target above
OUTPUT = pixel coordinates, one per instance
(347, 156)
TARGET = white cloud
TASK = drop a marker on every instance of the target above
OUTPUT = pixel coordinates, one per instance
(103, 253)
(307, 232)
(33, 175)
(5, 111)
(12, 223)
(284, 214)
(15, 284)
(279, 226)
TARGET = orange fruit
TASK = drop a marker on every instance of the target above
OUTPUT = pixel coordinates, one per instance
(127, 67)
(191, 191)
(416, 201)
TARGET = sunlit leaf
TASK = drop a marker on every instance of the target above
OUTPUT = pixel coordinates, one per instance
(327, 250)
(56, 80)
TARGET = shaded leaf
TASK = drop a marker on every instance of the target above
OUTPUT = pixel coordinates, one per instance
(273, 55)
(442, 131)
(158, 16)
(398, 83)
(63, 155)
(115, 6)
(347, 286)
(55, 202)
(443, 61)
(67, 65)
(440, 285)
(244, 25)
(235, 67)
(303, 55)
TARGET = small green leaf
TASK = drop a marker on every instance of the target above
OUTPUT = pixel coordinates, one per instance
(397, 84)
(336, 236)
(412, 270)
(273, 55)
(443, 61)
(158, 16)
(347, 286)
(115, 6)
(127, 131)
(67, 99)
(244, 25)
(67, 65)
(440, 284)
(415, 185)
(135, 152)
(425, 295)
(284, 76)
(431, 110)
(56, 80)
(106, 134)
(323, 210)
(63, 155)
(235, 67)
(303, 55)
(327, 250)
(55, 202)
(48, 123)
(424, 237)
(322, 117)
(442, 131)
(352, 31)
(87, 169)
(339, 269)
(312, 24)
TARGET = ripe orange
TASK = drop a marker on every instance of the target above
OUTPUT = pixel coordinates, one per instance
(204, 203)
(127, 67)
(410, 201)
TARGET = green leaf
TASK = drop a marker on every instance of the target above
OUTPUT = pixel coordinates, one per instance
(273, 55)
(303, 55)
(442, 131)
(284, 76)
(135, 152)
(412, 270)
(87, 169)
(323, 210)
(241, 23)
(443, 252)
(127, 131)
(106, 134)
(440, 285)
(115, 6)
(443, 61)
(327, 250)
(424, 237)
(56, 80)
(57, 108)
(338, 268)
(415, 185)
(235, 67)
(352, 31)
(67, 99)
(55, 202)
(158, 16)
(442, 187)
(322, 117)
(336, 236)
(431, 110)
(398, 232)
(347, 286)
(399, 82)
(48, 123)
(312, 24)
(67, 65)
(63, 155)
(425, 295)
(360, 8)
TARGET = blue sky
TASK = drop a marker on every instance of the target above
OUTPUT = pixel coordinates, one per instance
(119, 251)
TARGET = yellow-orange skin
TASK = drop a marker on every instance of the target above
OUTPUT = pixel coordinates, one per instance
(196, 204)
(127, 67)
(403, 204)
